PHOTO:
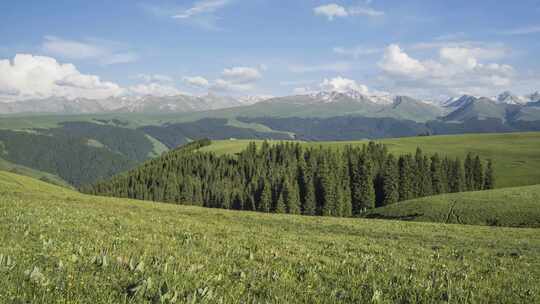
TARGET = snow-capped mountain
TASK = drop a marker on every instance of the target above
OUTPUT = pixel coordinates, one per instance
(128, 104)
(508, 98)
(351, 95)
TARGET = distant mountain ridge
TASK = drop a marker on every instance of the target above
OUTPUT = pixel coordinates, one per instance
(505, 106)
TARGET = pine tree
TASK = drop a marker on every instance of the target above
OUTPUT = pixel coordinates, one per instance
(280, 204)
(326, 190)
(457, 176)
(489, 179)
(291, 197)
(436, 175)
(366, 198)
(265, 198)
(406, 178)
(478, 174)
(390, 182)
(469, 172)
(307, 189)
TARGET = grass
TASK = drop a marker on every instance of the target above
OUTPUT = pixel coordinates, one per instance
(516, 155)
(510, 207)
(59, 246)
(44, 176)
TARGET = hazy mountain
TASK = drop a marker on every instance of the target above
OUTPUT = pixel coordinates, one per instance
(321, 104)
(127, 104)
(52, 105)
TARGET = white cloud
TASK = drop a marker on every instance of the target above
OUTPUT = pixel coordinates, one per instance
(29, 76)
(366, 11)
(326, 67)
(456, 70)
(224, 85)
(241, 74)
(202, 7)
(395, 61)
(340, 84)
(196, 81)
(104, 52)
(154, 89)
(237, 79)
(523, 30)
(333, 10)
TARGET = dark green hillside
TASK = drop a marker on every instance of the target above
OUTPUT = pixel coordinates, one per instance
(173, 135)
(131, 143)
(73, 159)
(510, 207)
(341, 128)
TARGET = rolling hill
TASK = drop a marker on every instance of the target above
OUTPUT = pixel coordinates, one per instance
(515, 155)
(510, 207)
(59, 245)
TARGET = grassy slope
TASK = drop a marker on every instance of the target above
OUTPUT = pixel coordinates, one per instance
(77, 248)
(510, 207)
(50, 178)
(515, 155)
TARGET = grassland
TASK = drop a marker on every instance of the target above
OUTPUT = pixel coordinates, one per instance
(509, 207)
(516, 155)
(22, 170)
(59, 246)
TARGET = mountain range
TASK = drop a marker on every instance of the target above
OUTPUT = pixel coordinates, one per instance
(505, 106)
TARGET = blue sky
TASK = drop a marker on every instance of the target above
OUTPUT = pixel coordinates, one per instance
(267, 47)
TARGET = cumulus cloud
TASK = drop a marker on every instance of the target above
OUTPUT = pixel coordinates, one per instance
(104, 52)
(395, 61)
(340, 84)
(237, 79)
(241, 74)
(28, 76)
(456, 70)
(224, 85)
(196, 81)
(333, 10)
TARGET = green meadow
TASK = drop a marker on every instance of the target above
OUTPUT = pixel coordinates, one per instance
(59, 246)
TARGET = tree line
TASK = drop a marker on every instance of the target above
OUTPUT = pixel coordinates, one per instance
(291, 178)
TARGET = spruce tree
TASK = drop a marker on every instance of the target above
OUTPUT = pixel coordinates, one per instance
(406, 178)
(280, 204)
(367, 190)
(478, 174)
(390, 182)
(436, 175)
(489, 179)
(457, 176)
(291, 197)
(469, 172)
(307, 189)
(265, 197)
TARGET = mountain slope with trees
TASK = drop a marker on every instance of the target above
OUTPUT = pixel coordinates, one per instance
(289, 178)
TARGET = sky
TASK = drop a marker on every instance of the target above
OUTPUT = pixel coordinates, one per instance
(427, 49)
